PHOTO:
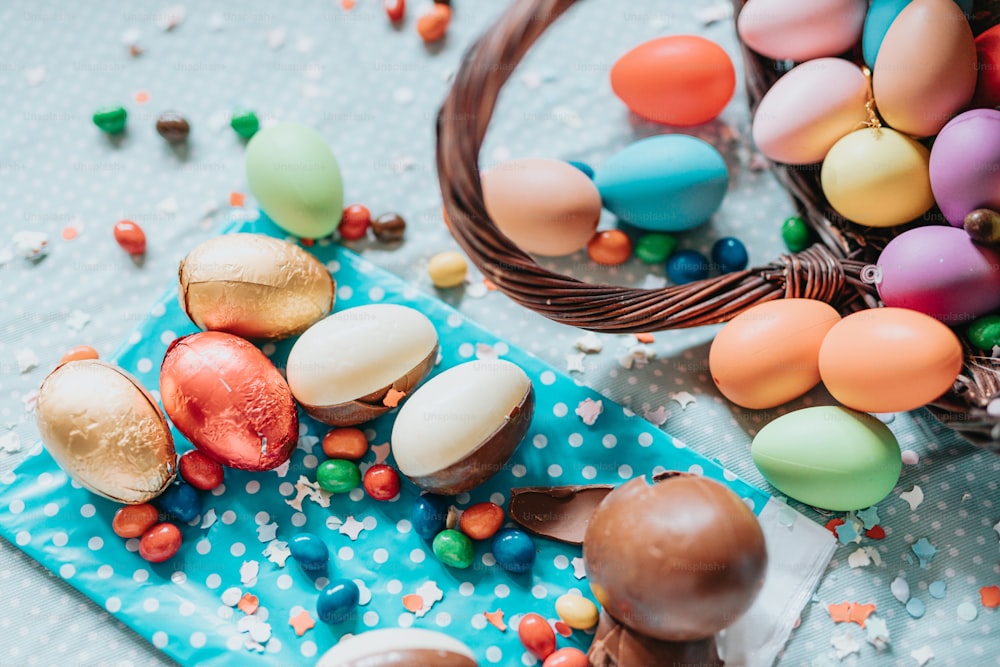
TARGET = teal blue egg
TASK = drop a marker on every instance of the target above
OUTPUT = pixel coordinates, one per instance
(666, 183)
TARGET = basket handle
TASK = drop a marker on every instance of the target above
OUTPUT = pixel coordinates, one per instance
(461, 127)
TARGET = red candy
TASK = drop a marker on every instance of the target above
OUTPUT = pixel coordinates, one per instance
(130, 237)
(567, 657)
(355, 222)
(537, 636)
(200, 471)
(481, 521)
(160, 542)
(134, 520)
(394, 9)
(381, 482)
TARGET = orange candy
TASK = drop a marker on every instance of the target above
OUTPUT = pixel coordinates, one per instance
(78, 353)
(130, 237)
(345, 443)
(537, 635)
(160, 542)
(567, 657)
(610, 247)
(433, 24)
(134, 520)
(481, 521)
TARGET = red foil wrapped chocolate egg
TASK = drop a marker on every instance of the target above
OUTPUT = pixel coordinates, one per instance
(229, 400)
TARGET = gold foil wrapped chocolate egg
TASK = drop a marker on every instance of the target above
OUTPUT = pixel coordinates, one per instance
(106, 431)
(254, 286)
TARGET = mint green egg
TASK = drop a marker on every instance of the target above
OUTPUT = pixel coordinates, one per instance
(829, 457)
(296, 180)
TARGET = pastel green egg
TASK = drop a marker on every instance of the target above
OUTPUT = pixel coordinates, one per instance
(829, 457)
(296, 180)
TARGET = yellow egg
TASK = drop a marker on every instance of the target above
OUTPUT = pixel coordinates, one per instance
(878, 177)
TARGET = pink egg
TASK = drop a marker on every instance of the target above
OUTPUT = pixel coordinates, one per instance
(965, 164)
(800, 30)
(940, 272)
(808, 109)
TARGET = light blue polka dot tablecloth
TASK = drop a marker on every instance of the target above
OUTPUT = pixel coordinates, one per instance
(372, 90)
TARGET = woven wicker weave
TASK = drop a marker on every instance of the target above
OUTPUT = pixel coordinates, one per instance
(830, 270)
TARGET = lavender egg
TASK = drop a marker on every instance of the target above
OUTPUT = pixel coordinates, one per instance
(941, 272)
(965, 164)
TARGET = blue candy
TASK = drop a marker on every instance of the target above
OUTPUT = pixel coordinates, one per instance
(338, 601)
(584, 167)
(309, 551)
(428, 516)
(730, 255)
(180, 501)
(687, 266)
(514, 550)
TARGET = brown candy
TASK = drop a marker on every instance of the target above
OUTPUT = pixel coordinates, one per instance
(389, 227)
(173, 127)
(616, 646)
(983, 225)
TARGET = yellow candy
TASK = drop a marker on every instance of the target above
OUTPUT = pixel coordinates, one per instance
(576, 611)
(447, 269)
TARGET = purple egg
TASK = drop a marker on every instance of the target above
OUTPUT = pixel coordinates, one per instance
(965, 164)
(940, 272)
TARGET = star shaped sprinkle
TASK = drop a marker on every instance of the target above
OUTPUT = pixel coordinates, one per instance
(393, 397)
(924, 551)
(840, 613)
(267, 532)
(302, 622)
(845, 644)
(869, 517)
(990, 596)
(682, 398)
(900, 589)
(859, 558)
(589, 410)
(579, 571)
(657, 417)
(589, 343)
(878, 633)
(248, 603)
(277, 552)
(922, 655)
(847, 533)
(914, 497)
(352, 528)
(495, 618)
(381, 452)
(860, 612)
(248, 573)
(574, 363)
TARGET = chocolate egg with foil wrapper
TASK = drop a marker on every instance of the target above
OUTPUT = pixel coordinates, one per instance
(106, 431)
(229, 400)
(254, 286)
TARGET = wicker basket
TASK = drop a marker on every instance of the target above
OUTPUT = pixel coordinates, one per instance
(830, 270)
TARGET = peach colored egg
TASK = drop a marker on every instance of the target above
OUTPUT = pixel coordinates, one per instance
(889, 360)
(801, 30)
(926, 67)
(768, 355)
(807, 110)
(547, 207)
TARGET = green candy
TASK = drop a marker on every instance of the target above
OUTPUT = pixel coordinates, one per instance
(985, 332)
(110, 119)
(453, 549)
(795, 233)
(244, 122)
(655, 248)
(338, 475)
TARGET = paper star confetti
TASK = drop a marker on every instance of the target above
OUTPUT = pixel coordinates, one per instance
(27, 360)
(589, 410)
(859, 558)
(574, 363)
(77, 320)
(282, 470)
(916, 607)
(352, 528)
(495, 618)
(860, 612)
(579, 570)
(922, 655)
(421, 602)
(248, 603)
(877, 633)
(900, 589)
(393, 397)
(874, 554)
(924, 551)
(277, 552)
(657, 417)
(937, 589)
(248, 573)
(840, 613)
(10, 442)
(209, 518)
(832, 524)
(914, 497)
(850, 612)
(845, 644)
(231, 596)
(301, 622)
(990, 596)
(381, 452)
(306, 443)
(412, 602)
(847, 533)
(589, 343)
(267, 532)
(682, 398)
(875, 532)
(869, 517)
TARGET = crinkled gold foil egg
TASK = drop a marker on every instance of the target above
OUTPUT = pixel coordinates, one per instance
(106, 431)
(254, 286)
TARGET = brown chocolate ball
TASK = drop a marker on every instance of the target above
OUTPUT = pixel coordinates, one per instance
(676, 559)
(389, 227)
(173, 127)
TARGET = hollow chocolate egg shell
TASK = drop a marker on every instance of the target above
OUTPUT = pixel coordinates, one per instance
(398, 647)
(229, 400)
(106, 431)
(463, 425)
(359, 363)
(254, 286)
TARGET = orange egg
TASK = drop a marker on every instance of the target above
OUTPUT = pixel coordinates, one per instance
(675, 80)
(768, 355)
(79, 352)
(610, 247)
(889, 360)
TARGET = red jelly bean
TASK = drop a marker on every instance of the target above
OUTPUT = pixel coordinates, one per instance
(160, 542)
(394, 9)
(134, 520)
(567, 657)
(130, 237)
(354, 222)
(200, 471)
(481, 521)
(381, 482)
(537, 636)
